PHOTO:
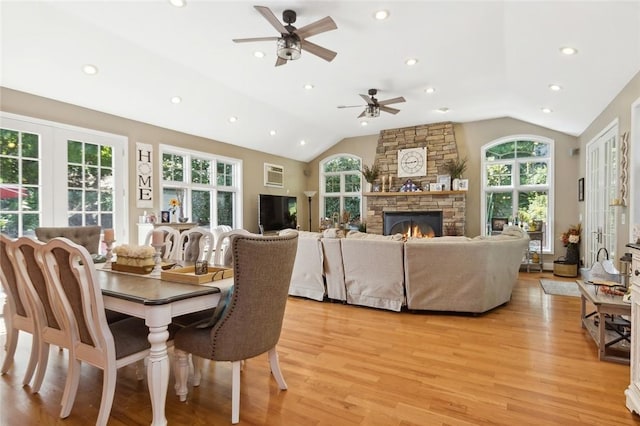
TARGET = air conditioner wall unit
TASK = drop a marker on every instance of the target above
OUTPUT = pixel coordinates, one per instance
(273, 175)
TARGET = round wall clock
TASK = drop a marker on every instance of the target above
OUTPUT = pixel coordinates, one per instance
(412, 162)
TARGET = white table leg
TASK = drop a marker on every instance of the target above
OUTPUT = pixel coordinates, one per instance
(158, 362)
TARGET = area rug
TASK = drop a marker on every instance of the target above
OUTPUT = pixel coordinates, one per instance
(560, 288)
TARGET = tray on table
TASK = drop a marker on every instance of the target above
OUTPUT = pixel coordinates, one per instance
(146, 269)
(188, 275)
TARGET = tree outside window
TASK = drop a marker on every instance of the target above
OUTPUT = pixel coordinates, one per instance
(517, 182)
(340, 195)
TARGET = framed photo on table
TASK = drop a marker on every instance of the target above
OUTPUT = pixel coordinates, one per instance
(463, 184)
(165, 217)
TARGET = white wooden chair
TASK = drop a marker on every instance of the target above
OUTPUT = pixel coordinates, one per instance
(79, 309)
(171, 237)
(222, 255)
(18, 313)
(194, 244)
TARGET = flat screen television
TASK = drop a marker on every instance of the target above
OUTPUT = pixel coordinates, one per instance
(277, 212)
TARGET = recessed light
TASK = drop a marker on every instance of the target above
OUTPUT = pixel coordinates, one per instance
(381, 15)
(411, 61)
(443, 110)
(364, 123)
(233, 119)
(176, 100)
(178, 3)
(555, 87)
(567, 50)
(429, 90)
(90, 69)
(547, 110)
(303, 142)
(258, 54)
(272, 132)
(308, 86)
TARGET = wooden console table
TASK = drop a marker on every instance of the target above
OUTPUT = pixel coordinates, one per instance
(609, 310)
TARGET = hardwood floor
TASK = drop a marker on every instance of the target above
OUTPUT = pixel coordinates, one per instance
(528, 362)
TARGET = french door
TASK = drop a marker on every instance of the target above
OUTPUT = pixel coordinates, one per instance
(601, 188)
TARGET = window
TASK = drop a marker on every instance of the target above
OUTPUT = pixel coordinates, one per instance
(209, 186)
(517, 183)
(340, 189)
(57, 175)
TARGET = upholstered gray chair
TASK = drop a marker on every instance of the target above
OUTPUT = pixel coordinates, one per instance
(87, 236)
(77, 299)
(251, 322)
(18, 314)
(194, 244)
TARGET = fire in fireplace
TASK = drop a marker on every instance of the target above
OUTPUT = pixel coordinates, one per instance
(418, 224)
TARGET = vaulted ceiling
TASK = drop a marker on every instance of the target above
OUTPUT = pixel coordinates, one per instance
(485, 59)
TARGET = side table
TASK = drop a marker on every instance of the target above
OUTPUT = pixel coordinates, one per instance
(611, 327)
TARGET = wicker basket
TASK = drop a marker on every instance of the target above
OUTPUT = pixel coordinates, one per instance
(563, 269)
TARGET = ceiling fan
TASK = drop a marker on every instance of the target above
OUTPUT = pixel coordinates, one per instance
(373, 106)
(293, 40)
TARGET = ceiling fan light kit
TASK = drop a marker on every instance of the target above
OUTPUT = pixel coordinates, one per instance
(292, 40)
(373, 107)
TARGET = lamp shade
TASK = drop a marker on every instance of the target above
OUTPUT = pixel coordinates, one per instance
(310, 193)
(289, 48)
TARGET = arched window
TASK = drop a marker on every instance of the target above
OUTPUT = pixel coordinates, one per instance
(518, 183)
(340, 189)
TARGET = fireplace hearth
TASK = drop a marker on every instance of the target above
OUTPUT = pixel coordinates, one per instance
(414, 224)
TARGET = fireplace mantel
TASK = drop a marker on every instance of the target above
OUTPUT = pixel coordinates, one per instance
(413, 193)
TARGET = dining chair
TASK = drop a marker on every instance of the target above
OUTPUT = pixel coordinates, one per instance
(171, 236)
(251, 323)
(194, 244)
(217, 231)
(222, 255)
(79, 309)
(86, 236)
(18, 314)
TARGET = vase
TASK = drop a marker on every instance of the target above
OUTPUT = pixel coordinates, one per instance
(573, 254)
(174, 217)
(455, 184)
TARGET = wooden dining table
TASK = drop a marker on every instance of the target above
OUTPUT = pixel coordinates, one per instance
(157, 302)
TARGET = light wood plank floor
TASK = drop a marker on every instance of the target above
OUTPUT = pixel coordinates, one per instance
(525, 363)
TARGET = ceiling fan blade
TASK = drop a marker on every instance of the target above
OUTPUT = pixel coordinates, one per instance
(392, 101)
(246, 40)
(269, 16)
(319, 51)
(351, 106)
(389, 109)
(366, 99)
(280, 61)
(362, 114)
(323, 25)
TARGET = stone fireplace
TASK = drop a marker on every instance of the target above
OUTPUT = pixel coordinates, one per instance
(426, 224)
(440, 141)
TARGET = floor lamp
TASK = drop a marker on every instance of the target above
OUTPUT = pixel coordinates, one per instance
(310, 195)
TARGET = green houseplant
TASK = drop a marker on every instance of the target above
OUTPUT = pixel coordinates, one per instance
(455, 168)
(370, 173)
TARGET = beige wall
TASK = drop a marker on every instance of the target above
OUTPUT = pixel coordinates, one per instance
(620, 109)
(470, 138)
(15, 102)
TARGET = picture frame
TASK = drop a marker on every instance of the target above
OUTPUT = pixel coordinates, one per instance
(498, 223)
(165, 217)
(435, 187)
(463, 184)
(445, 182)
(581, 189)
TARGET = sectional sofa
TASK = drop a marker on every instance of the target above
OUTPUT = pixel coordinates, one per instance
(455, 274)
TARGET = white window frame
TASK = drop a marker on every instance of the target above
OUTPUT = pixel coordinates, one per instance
(237, 188)
(53, 154)
(515, 187)
(342, 193)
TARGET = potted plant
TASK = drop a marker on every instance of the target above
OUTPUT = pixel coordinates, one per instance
(370, 174)
(455, 169)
